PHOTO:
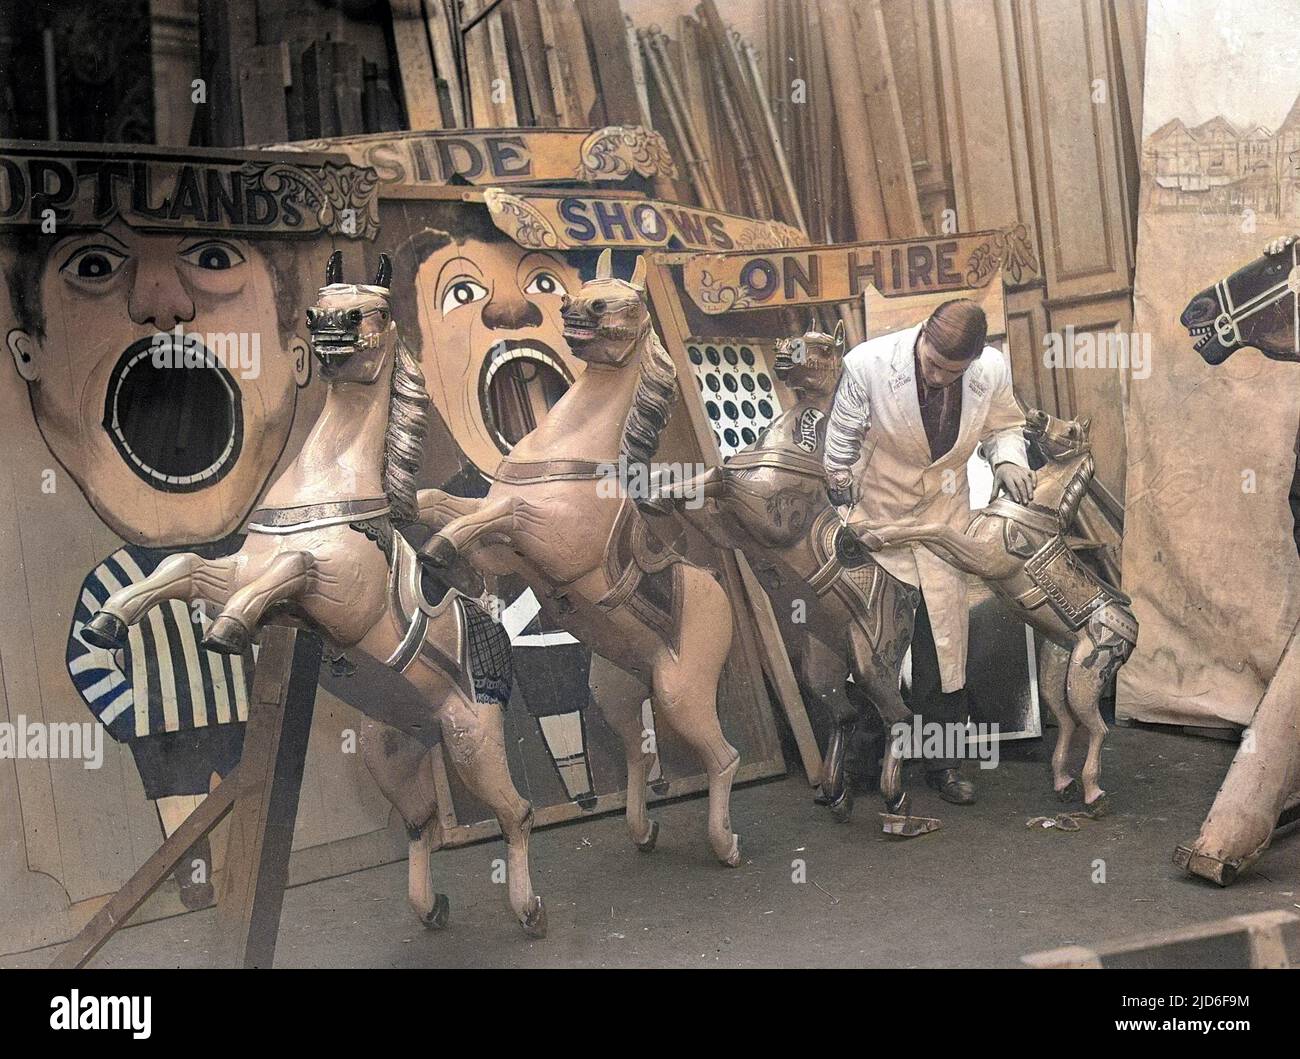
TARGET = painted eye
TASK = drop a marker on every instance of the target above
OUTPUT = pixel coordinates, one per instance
(462, 291)
(94, 262)
(545, 283)
(213, 256)
(599, 306)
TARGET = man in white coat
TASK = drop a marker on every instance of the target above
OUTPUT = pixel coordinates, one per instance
(910, 410)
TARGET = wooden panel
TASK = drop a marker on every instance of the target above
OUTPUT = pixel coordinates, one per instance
(415, 64)
(1073, 148)
(984, 116)
(1097, 391)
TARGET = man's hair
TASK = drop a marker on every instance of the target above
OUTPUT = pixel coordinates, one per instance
(446, 223)
(31, 250)
(957, 329)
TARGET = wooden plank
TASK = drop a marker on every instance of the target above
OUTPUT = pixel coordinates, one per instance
(347, 87)
(415, 65)
(615, 74)
(151, 874)
(437, 21)
(522, 16)
(263, 79)
(227, 29)
(320, 118)
(266, 796)
(491, 90)
(570, 68)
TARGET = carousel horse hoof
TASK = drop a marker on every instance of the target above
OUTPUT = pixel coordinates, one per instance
(1221, 872)
(1069, 793)
(1097, 809)
(106, 631)
(438, 917)
(842, 807)
(732, 859)
(227, 636)
(647, 844)
(534, 919)
(438, 551)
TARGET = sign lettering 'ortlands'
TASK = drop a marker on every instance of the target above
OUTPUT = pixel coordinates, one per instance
(547, 221)
(720, 283)
(85, 186)
(434, 158)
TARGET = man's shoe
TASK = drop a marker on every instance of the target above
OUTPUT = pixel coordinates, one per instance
(951, 787)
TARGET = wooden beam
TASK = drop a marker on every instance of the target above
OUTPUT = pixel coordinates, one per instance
(135, 891)
(415, 65)
(263, 79)
(266, 797)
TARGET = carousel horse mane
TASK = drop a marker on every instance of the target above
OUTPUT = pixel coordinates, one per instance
(653, 401)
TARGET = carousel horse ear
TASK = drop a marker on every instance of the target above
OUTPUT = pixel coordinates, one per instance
(605, 264)
(385, 274)
(334, 270)
(638, 273)
(838, 338)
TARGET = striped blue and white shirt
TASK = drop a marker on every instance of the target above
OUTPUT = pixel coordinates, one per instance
(167, 682)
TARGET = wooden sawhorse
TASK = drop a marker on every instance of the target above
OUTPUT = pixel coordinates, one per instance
(260, 795)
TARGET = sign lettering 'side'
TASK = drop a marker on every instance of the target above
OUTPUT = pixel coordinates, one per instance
(720, 283)
(433, 158)
(82, 186)
(547, 221)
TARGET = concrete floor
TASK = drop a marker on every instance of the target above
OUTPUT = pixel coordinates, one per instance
(981, 892)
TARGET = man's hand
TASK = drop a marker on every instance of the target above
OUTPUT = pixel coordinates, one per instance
(841, 494)
(1016, 481)
(1279, 244)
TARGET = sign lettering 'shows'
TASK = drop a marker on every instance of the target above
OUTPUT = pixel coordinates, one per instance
(551, 221)
(505, 156)
(720, 283)
(56, 187)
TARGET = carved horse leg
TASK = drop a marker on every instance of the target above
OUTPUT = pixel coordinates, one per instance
(877, 674)
(823, 671)
(475, 738)
(986, 559)
(488, 516)
(1088, 676)
(685, 694)
(1053, 672)
(402, 766)
(286, 576)
(437, 508)
(185, 576)
(619, 697)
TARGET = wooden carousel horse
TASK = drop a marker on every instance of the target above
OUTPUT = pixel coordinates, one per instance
(1257, 306)
(839, 611)
(324, 548)
(1022, 552)
(596, 566)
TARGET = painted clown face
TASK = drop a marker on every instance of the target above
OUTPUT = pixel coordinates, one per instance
(160, 378)
(491, 340)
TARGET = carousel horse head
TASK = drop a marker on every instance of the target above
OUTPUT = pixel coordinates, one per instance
(1057, 439)
(606, 320)
(1258, 305)
(810, 364)
(351, 324)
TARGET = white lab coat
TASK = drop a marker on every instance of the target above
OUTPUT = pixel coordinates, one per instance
(898, 482)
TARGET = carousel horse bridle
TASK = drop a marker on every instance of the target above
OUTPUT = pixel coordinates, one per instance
(1226, 324)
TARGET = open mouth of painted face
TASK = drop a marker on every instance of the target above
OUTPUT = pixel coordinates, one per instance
(520, 379)
(174, 413)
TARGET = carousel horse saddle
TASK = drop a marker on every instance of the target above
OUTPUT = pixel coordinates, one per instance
(845, 568)
(1056, 574)
(645, 574)
(480, 653)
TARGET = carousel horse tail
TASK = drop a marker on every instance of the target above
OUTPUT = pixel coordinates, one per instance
(985, 559)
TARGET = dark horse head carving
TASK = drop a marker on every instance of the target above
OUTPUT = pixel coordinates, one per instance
(1258, 305)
